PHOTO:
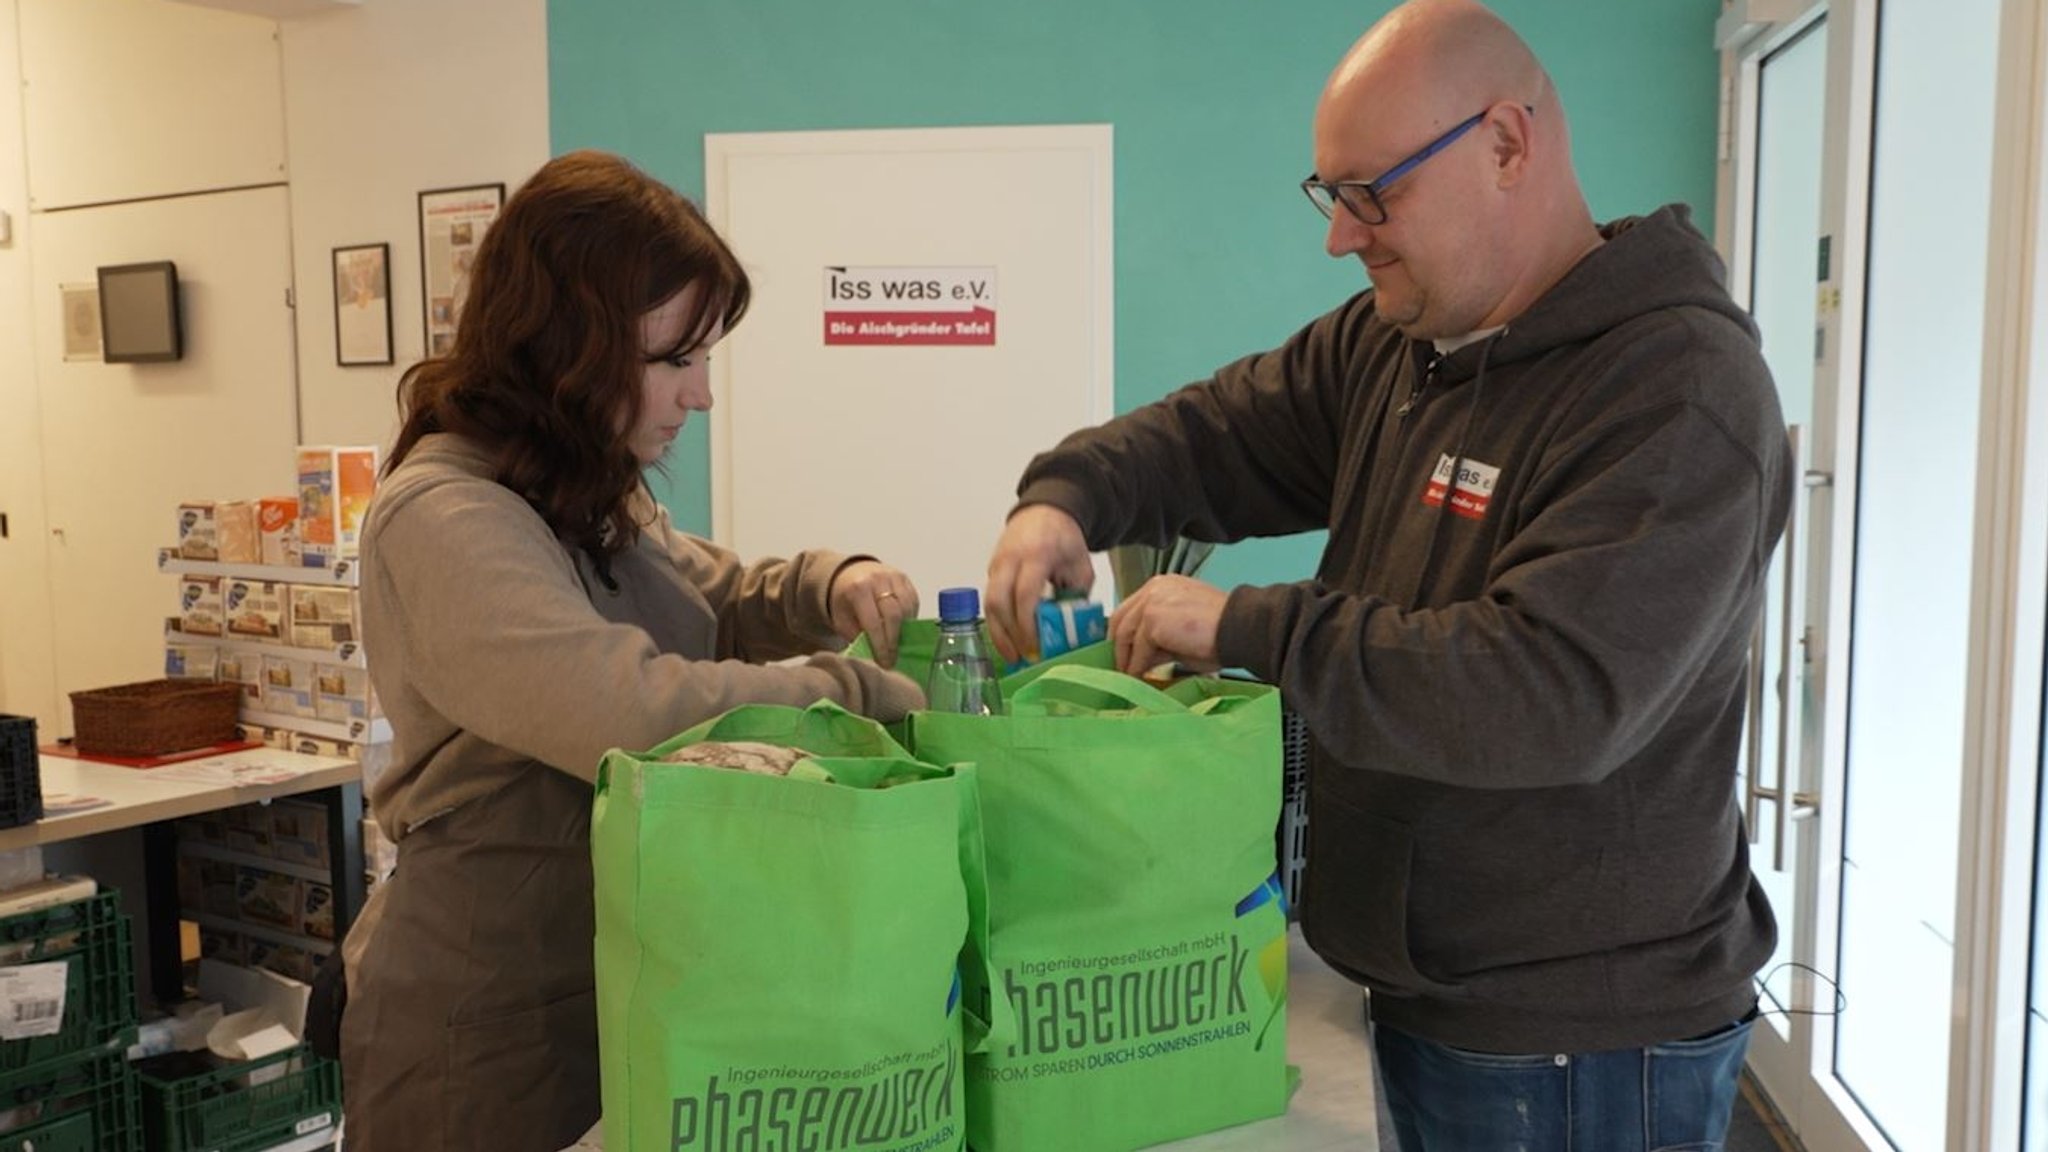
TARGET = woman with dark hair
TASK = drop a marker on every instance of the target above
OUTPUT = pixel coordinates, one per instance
(529, 606)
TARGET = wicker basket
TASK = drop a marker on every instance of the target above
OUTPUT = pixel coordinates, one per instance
(154, 717)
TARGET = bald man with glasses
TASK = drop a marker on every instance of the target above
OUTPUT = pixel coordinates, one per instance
(1552, 467)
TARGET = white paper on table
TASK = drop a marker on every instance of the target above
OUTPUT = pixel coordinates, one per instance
(69, 804)
(244, 770)
(32, 1000)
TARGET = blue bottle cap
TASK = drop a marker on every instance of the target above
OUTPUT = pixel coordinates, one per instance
(959, 604)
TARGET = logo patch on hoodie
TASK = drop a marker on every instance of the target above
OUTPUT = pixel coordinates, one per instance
(1474, 489)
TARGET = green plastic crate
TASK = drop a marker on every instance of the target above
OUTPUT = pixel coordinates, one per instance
(90, 937)
(86, 1104)
(213, 1112)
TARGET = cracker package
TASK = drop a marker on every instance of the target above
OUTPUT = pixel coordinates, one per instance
(335, 484)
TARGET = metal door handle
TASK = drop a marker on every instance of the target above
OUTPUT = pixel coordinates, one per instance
(1795, 436)
(1755, 792)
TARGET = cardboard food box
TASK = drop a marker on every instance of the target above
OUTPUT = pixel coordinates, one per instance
(335, 485)
(192, 661)
(268, 897)
(323, 617)
(236, 532)
(248, 829)
(198, 535)
(316, 910)
(254, 608)
(288, 686)
(342, 694)
(225, 947)
(277, 530)
(199, 606)
(284, 959)
(244, 669)
(298, 832)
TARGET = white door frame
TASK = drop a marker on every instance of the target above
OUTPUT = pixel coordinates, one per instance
(1995, 894)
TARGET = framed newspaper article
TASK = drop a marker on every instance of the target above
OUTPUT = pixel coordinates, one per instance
(452, 226)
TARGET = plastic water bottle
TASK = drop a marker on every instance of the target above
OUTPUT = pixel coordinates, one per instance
(963, 676)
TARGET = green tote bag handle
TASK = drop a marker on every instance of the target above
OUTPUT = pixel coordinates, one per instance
(1078, 690)
(824, 729)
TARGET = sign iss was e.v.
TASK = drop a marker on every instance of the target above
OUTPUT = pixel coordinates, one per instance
(906, 305)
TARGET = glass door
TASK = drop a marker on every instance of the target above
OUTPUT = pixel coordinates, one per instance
(1910, 569)
(1864, 205)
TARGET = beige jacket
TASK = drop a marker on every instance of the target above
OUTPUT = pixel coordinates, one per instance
(493, 645)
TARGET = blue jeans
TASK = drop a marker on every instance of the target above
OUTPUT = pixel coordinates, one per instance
(1673, 1097)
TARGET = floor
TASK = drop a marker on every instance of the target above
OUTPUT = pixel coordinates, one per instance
(1333, 1108)
(1756, 1126)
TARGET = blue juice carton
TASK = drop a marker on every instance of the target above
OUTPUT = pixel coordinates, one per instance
(1069, 622)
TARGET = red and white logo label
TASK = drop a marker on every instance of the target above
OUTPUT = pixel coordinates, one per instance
(905, 305)
(1474, 489)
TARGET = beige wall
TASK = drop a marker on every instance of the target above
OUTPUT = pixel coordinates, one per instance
(27, 676)
(381, 104)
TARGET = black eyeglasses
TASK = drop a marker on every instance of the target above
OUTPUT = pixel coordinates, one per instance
(1361, 198)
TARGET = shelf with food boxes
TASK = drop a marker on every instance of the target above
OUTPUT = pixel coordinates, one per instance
(257, 882)
(308, 678)
(267, 601)
(313, 531)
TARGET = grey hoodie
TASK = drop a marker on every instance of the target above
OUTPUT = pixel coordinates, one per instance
(1526, 700)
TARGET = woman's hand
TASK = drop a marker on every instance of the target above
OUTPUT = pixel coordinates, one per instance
(872, 597)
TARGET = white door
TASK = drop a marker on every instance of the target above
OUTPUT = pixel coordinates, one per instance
(123, 444)
(931, 308)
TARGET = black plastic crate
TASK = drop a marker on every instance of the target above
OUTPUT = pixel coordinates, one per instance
(89, 937)
(221, 1111)
(87, 1104)
(1292, 836)
(21, 773)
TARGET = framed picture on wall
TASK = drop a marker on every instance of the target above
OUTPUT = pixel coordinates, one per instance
(81, 320)
(452, 226)
(362, 305)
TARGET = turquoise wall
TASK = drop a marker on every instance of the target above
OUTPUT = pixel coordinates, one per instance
(1217, 253)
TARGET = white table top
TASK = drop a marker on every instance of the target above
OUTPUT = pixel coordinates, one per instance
(1332, 1110)
(138, 796)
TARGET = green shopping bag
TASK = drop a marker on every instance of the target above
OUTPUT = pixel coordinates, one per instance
(778, 959)
(1136, 925)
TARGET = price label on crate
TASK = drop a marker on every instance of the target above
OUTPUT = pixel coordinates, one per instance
(32, 1000)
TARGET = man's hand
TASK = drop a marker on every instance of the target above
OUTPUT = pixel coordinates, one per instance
(872, 597)
(1171, 618)
(1040, 545)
